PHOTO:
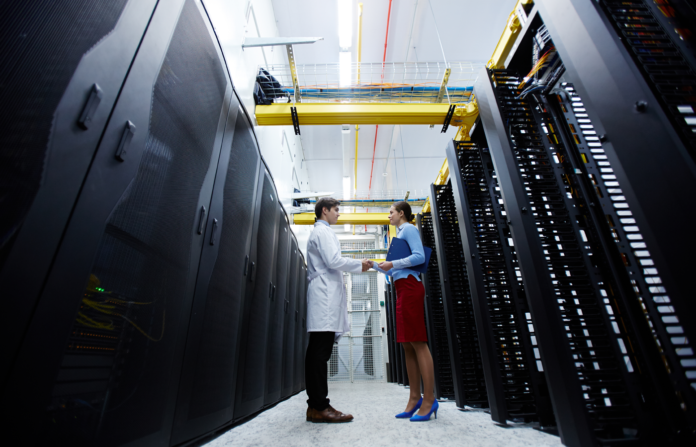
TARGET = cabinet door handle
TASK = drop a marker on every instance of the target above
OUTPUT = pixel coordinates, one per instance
(212, 232)
(126, 138)
(270, 290)
(246, 264)
(251, 271)
(274, 290)
(201, 220)
(95, 96)
(297, 313)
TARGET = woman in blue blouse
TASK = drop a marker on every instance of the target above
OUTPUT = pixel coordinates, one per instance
(410, 316)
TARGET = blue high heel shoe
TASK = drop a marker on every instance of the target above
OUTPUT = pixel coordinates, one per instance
(408, 414)
(433, 409)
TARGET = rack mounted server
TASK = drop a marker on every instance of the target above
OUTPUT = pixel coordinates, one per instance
(560, 232)
(153, 291)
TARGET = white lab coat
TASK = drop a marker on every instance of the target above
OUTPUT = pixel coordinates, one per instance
(327, 304)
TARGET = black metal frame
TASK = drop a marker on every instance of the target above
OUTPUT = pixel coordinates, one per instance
(501, 384)
(610, 85)
(432, 292)
(456, 350)
(564, 386)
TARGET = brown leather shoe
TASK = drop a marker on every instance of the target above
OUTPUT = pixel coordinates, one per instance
(330, 414)
(310, 413)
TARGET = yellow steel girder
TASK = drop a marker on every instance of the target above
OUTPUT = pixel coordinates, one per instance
(346, 218)
(508, 38)
(312, 114)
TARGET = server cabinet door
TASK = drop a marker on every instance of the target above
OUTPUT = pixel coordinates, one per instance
(303, 316)
(208, 383)
(251, 379)
(299, 307)
(274, 358)
(62, 71)
(289, 327)
(101, 358)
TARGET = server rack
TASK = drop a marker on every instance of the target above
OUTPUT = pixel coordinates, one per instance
(255, 324)
(435, 314)
(133, 337)
(465, 356)
(85, 80)
(398, 353)
(206, 393)
(638, 100)
(304, 337)
(279, 292)
(289, 327)
(300, 325)
(390, 338)
(514, 379)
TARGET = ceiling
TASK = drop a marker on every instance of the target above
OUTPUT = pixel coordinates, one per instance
(405, 157)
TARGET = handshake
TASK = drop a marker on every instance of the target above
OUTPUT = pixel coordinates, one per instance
(367, 265)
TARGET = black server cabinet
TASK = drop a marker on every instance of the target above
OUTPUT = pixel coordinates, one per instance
(399, 348)
(390, 338)
(299, 315)
(59, 87)
(104, 348)
(274, 360)
(602, 377)
(207, 390)
(303, 318)
(435, 314)
(289, 326)
(251, 377)
(514, 379)
(465, 353)
(632, 69)
(398, 377)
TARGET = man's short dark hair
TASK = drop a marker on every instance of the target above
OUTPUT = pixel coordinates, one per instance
(325, 202)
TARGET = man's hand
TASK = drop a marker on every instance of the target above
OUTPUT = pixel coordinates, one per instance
(366, 265)
(386, 265)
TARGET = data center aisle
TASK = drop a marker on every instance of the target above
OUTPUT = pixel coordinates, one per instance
(374, 406)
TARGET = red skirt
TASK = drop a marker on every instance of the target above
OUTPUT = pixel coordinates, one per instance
(410, 310)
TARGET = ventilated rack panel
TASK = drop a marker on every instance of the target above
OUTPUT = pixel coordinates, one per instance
(473, 386)
(435, 315)
(675, 352)
(594, 329)
(663, 65)
(519, 364)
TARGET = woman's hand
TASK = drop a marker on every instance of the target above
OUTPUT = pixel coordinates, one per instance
(386, 265)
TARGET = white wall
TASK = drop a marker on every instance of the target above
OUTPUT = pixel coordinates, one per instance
(233, 21)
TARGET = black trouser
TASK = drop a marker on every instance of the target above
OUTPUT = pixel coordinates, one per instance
(316, 380)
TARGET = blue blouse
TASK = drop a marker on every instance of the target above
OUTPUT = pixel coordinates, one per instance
(401, 266)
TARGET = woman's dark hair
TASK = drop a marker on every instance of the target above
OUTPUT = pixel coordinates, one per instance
(325, 202)
(406, 208)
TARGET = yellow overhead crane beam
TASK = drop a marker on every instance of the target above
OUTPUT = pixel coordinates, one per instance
(317, 114)
(346, 218)
(508, 38)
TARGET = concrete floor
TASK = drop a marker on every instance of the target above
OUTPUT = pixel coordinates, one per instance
(374, 406)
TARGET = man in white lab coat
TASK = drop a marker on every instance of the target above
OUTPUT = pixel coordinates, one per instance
(327, 308)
